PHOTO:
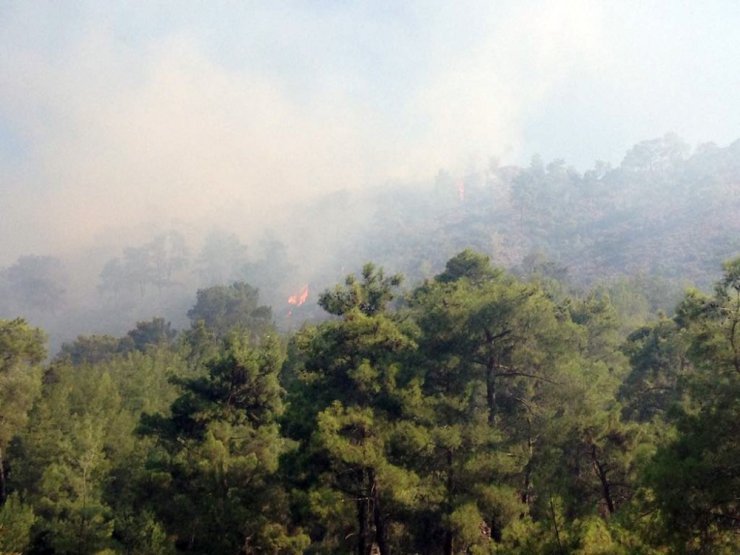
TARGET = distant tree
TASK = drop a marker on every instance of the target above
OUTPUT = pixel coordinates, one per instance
(169, 255)
(370, 295)
(656, 155)
(546, 195)
(272, 269)
(154, 264)
(155, 332)
(114, 280)
(526, 187)
(224, 308)
(137, 268)
(536, 265)
(470, 265)
(36, 283)
(90, 349)
(222, 259)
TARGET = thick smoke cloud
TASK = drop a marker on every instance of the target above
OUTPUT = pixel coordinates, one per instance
(114, 117)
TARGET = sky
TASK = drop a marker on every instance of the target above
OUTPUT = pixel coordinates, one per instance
(120, 114)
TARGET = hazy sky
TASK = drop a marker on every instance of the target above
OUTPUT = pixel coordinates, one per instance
(116, 113)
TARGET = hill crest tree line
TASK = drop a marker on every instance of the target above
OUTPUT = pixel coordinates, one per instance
(667, 215)
(474, 413)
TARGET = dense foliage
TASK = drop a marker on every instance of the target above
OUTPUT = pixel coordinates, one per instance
(477, 412)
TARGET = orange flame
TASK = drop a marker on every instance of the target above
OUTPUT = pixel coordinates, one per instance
(299, 298)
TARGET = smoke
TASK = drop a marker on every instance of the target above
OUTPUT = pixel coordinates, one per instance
(188, 142)
(187, 114)
(117, 131)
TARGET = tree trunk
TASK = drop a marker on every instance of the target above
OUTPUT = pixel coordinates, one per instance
(491, 371)
(528, 466)
(555, 525)
(450, 486)
(605, 487)
(380, 532)
(448, 543)
(363, 546)
(496, 530)
(491, 390)
(3, 489)
(362, 526)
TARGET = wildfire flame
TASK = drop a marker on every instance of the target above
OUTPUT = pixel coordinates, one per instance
(461, 190)
(299, 298)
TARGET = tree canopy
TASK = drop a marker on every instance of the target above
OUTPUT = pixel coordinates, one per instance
(475, 412)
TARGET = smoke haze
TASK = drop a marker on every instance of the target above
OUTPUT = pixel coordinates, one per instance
(115, 116)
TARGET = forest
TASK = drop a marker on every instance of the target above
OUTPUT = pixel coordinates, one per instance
(477, 410)
(663, 219)
(369, 278)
